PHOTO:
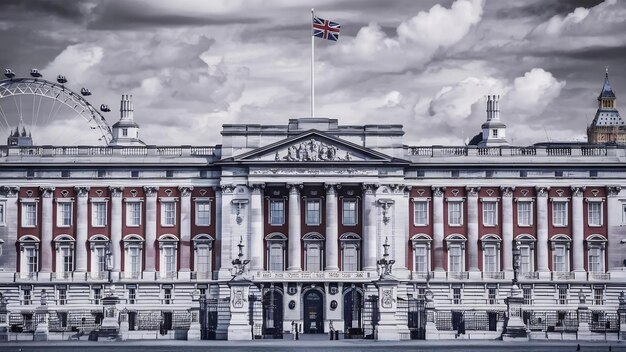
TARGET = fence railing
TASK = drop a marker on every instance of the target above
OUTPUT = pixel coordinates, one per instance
(91, 151)
(521, 151)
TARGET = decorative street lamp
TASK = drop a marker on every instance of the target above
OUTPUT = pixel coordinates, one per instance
(239, 263)
(384, 264)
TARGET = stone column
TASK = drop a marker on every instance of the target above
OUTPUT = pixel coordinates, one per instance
(578, 232)
(332, 229)
(47, 194)
(116, 227)
(82, 226)
(369, 227)
(151, 225)
(256, 225)
(542, 229)
(185, 228)
(472, 227)
(226, 208)
(12, 223)
(616, 231)
(294, 221)
(438, 227)
(507, 227)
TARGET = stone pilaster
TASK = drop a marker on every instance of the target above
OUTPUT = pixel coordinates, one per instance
(578, 233)
(542, 229)
(47, 195)
(369, 227)
(438, 227)
(256, 227)
(82, 226)
(332, 229)
(507, 227)
(295, 236)
(151, 227)
(185, 228)
(116, 227)
(472, 227)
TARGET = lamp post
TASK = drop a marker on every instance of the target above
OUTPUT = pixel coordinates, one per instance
(239, 263)
(515, 329)
(384, 264)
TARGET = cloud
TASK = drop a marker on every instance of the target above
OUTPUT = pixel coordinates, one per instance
(533, 92)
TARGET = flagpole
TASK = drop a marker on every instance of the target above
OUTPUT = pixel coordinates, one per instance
(312, 68)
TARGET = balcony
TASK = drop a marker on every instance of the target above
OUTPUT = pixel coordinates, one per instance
(563, 275)
(67, 276)
(99, 276)
(598, 276)
(421, 275)
(168, 275)
(532, 275)
(197, 275)
(461, 275)
(27, 276)
(493, 275)
(131, 275)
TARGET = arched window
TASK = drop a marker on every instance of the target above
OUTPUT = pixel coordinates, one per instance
(313, 251)
(276, 251)
(456, 253)
(133, 246)
(491, 253)
(29, 258)
(595, 253)
(203, 245)
(64, 245)
(560, 253)
(526, 245)
(100, 256)
(350, 252)
(168, 245)
(421, 251)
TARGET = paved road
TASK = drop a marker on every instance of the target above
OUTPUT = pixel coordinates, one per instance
(317, 346)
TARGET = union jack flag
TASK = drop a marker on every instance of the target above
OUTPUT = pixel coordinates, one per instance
(325, 29)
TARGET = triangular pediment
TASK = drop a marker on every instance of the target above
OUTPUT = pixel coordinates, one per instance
(312, 147)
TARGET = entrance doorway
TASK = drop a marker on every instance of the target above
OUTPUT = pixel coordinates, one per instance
(313, 312)
(353, 312)
(273, 313)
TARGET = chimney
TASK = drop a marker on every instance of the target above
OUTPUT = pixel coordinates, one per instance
(493, 107)
(126, 108)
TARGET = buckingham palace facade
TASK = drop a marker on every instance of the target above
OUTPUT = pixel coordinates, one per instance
(142, 240)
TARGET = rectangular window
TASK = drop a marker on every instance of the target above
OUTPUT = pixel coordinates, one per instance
(349, 212)
(527, 292)
(68, 259)
(595, 213)
(134, 174)
(491, 259)
(313, 212)
(525, 259)
(313, 257)
(101, 259)
(133, 214)
(421, 259)
(456, 295)
(102, 173)
(277, 212)
(2, 213)
(598, 296)
(64, 214)
(562, 295)
(65, 173)
(97, 295)
(455, 264)
(420, 213)
(276, 257)
(203, 260)
(133, 253)
(167, 296)
(62, 296)
(168, 213)
(491, 295)
(350, 257)
(29, 214)
(124, 132)
(455, 213)
(559, 258)
(170, 259)
(524, 213)
(31, 260)
(27, 296)
(490, 214)
(596, 258)
(559, 213)
(203, 213)
(132, 295)
(99, 214)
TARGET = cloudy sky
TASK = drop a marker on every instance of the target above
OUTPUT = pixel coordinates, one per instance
(193, 65)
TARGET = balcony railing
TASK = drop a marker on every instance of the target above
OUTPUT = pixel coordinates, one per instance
(533, 275)
(462, 275)
(311, 275)
(197, 275)
(494, 275)
(504, 151)
(562, 275)
(169, 275)
(99, 276)
(131, 275)
(598, 276)
(421, 275)
(48, 150)
(27, 276)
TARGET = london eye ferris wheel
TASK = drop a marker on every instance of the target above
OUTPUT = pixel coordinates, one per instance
(50, 110)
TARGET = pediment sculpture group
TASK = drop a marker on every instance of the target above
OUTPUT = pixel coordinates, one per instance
(312, 150)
